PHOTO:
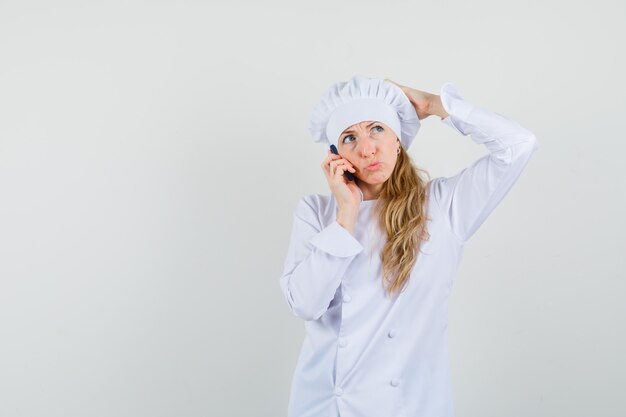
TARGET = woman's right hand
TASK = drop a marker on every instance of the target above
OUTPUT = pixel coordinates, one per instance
(346, 192)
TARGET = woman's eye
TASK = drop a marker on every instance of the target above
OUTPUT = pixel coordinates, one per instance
(347, 137)
(378, 129)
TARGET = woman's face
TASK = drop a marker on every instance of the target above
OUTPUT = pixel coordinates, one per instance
(367, 143)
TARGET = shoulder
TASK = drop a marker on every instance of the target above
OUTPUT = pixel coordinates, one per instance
(318, 201)
(315, 202)
(435, 185)
(315, 205)
(435, 189)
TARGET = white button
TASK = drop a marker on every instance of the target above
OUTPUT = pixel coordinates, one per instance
(347, 298)
(394, 382)
(342, 342)
(391, 333)
(338, 391)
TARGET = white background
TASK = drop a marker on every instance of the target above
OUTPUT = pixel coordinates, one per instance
(152, 154)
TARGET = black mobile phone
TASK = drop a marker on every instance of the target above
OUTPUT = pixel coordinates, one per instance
(348, 174)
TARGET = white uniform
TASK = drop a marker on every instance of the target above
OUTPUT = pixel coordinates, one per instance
(368, 355)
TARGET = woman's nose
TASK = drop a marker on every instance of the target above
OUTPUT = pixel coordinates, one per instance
(367, 146)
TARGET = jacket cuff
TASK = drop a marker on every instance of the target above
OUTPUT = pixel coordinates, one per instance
(458, 109)
(335, 240)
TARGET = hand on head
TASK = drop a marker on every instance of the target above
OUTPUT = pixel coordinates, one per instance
(419, 99)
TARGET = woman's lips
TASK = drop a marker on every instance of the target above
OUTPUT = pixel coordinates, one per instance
(373, 167)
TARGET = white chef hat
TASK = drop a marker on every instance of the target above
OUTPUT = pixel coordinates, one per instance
(361, 98)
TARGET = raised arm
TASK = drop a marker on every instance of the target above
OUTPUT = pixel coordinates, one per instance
(317, 259)
(467, 199)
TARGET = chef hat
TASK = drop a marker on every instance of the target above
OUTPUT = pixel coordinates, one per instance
(360, 99)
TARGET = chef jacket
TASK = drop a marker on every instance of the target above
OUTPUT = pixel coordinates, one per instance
(370, 355)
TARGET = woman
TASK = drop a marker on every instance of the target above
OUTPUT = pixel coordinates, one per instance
(370, 266)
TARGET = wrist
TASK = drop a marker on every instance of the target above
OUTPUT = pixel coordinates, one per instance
(435, 107)
(347, 219)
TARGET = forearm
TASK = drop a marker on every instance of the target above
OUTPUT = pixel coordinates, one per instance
(347, 219)
(436, 107)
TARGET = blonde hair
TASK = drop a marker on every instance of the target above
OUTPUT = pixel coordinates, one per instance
(401, 209)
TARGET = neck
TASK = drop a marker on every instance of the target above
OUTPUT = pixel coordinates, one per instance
(370, 192)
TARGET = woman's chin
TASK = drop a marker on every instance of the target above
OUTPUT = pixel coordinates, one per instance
(375, 179)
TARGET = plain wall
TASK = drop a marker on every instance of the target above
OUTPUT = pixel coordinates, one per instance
(152, 154)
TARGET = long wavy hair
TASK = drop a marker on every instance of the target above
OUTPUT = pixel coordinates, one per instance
(401, 209)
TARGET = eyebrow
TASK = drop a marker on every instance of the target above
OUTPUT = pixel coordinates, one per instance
(352, 131)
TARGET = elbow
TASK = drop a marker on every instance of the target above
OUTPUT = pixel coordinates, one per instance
(299, 307)
(302, 308)
(303, 311)
(528, 146)
(306, 314)
(532, 140)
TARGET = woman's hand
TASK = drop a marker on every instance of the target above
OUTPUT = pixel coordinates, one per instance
(347, 193)
(426, 104)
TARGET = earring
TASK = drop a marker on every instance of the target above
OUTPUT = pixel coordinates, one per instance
(398, 151)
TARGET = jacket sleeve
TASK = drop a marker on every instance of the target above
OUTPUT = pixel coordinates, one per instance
(317, 259)
(467, 199)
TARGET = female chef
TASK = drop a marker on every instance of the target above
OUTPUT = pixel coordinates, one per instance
(370, 265)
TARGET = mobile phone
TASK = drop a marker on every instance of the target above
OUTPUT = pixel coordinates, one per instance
(348, 174)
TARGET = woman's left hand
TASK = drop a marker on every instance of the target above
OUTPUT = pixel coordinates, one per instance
(426, 104)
